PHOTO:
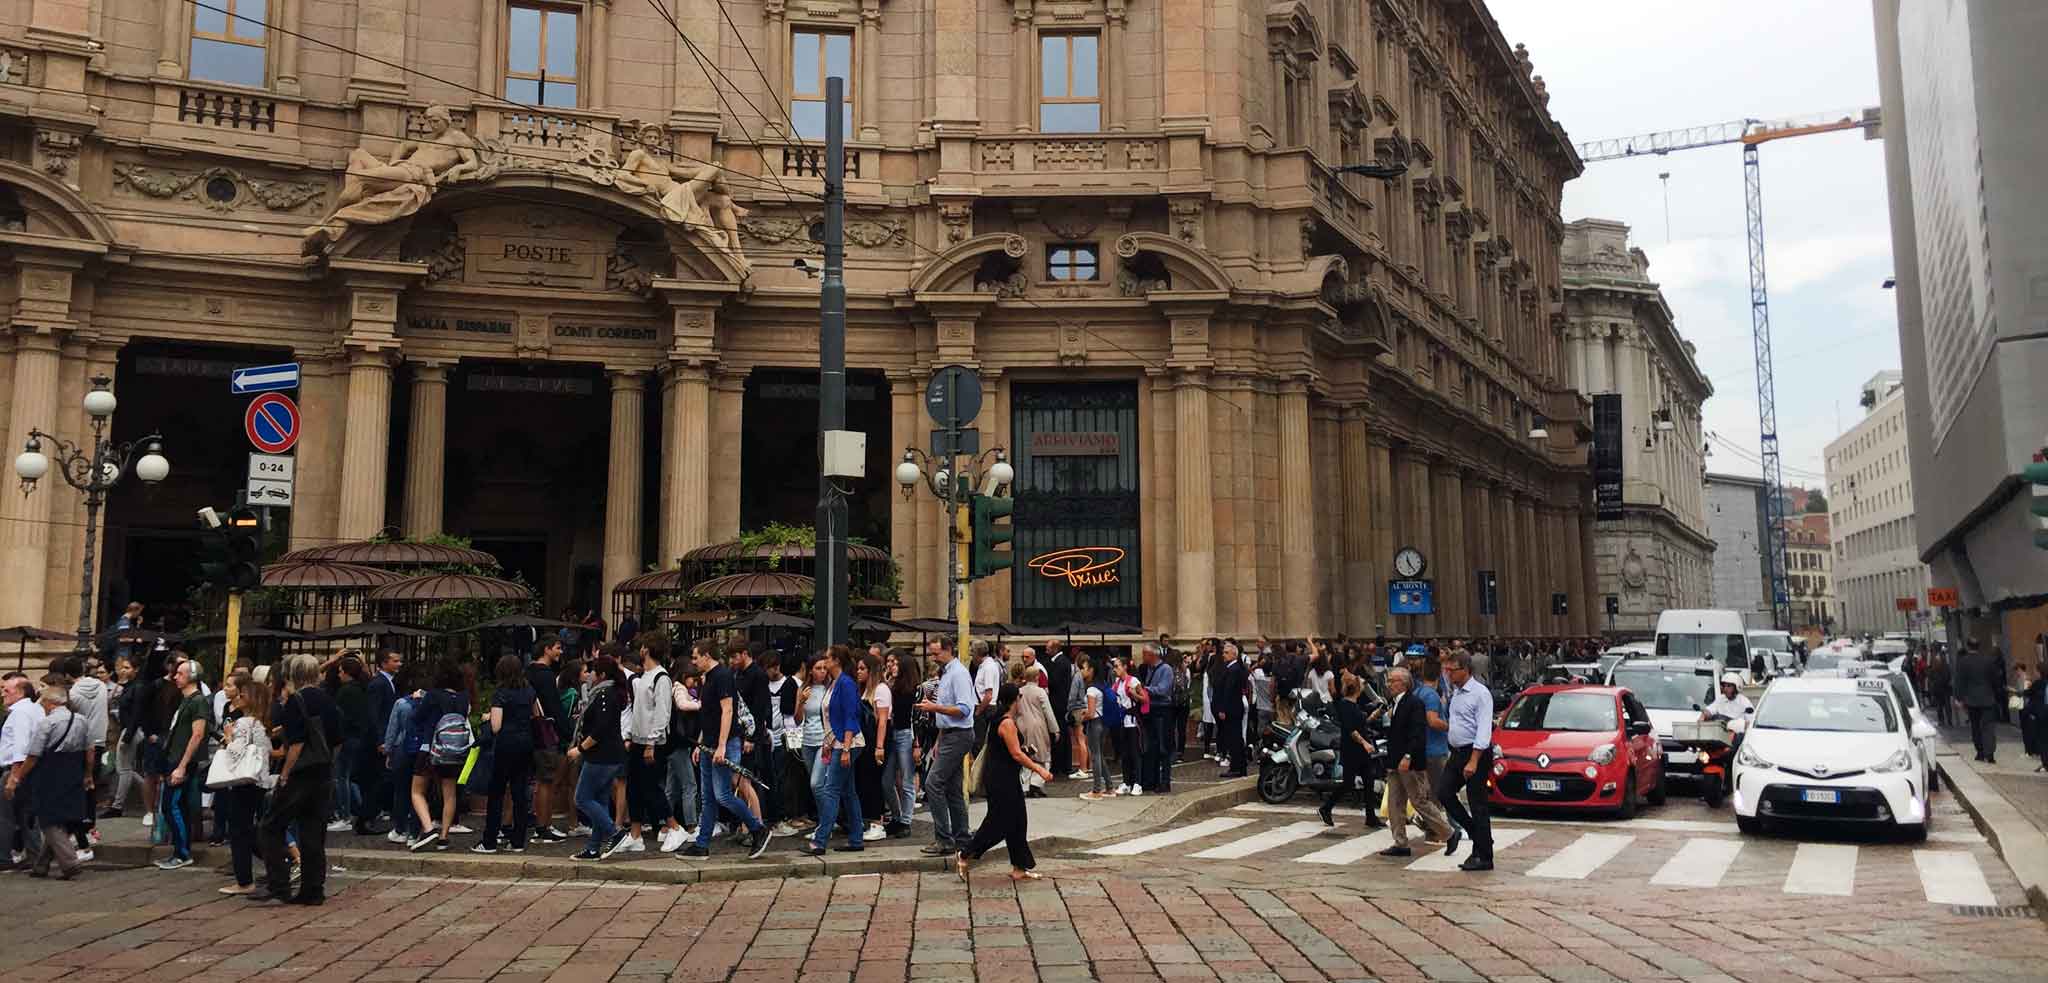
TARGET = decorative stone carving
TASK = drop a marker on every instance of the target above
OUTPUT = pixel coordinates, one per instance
(997, 156)
(14, 64)
(631, 267)
(787, 229)
(375, 192)
(696, 199)
(1635, 574)
(58, 149)
(1069, 222)
(1142, 273)
(205, 187)
(437, 244)
(1187, 219)
(958, 216)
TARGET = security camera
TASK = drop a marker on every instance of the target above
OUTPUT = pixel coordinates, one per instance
(209, 518)
(803, 266)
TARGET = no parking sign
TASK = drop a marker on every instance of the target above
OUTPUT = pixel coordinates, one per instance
(272, 423)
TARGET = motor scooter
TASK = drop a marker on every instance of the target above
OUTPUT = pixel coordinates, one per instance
(1308, 752)
(1713, 739)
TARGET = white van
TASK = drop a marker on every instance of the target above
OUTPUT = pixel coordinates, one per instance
(1704, 634)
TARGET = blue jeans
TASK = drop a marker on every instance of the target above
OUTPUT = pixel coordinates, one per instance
(838, 791)
(173, 809)
(346, 796)
(897, 775)
(682, 787)
(594, 800)
(714, 784)
(402, 817)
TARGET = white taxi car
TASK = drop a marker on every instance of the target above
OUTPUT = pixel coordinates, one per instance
(1833, 750)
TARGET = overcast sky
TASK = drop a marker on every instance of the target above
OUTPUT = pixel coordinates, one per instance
(1617, 68)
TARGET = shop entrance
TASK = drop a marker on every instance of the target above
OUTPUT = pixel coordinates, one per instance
(779, 452)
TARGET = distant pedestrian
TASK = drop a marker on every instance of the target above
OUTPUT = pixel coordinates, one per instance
(1407, 783)
(1354, 753)
(186, 748)
(1229, 680)
(1471, 761)
(1979, 681)
(18, 834)
(310, 724)
(718, 751)
(442, 734)
(898, 773)
(1940, 691)
(1157, 714)
(1095, 723)
(1006, 820)
(601, 749)
(1035, 725)
(514, 714)
(247, 734)
(952, 708)
(54, 776)
(1131, 697)
(843, 741)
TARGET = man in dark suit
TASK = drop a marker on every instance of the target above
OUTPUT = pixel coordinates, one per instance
(1059, 677)
(370, 768)
(1226, 704)
(1980, 682)
(1408, 781)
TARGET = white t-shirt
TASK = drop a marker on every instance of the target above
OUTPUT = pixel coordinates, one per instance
(1129, 702)
(883, 699)
(1321, 682)
(989, 678)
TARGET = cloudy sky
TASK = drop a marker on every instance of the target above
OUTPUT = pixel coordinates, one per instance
(1617, 68)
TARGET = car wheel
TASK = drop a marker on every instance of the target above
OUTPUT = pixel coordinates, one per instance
(1749, 825)
(1658, 794)
(1628, 799)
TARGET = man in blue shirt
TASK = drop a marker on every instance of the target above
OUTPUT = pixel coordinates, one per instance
(1470, 733)
(1158, 755)
(952, 707)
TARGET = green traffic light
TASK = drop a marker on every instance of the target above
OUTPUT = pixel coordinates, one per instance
(983, 557)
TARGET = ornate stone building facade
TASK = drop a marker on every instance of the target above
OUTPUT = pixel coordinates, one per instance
(1621, 339)
(541, 261)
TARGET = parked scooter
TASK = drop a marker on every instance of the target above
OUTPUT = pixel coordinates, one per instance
(1713, 739)
(1308, 754)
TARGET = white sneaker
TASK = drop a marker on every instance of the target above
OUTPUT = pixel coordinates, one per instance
(581, 829)
(340, 826)
(874, 832)
(85, 856)
(635, 844)
(396, 837)
(785, 828)
(672, 839)
(455, 830)
(149, 820)
(1136, 790)
(1078, 775)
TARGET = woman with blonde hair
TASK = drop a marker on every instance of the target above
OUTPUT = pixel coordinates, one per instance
(1035, 723)
(247, 733)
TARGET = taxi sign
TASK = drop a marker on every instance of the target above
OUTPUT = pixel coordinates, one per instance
(1872, 684)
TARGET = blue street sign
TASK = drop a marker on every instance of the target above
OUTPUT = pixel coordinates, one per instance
(265, 378)
(1411, 597)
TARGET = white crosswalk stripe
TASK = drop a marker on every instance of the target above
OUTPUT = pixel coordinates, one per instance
(1952, 877)
(1822, 868)
(1583, 856)
(1352, 850)
(1261, 842)
(1701, 862)
(1502, 839)
(1171, 837)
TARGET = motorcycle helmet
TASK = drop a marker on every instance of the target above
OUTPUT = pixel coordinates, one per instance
(1732, 678)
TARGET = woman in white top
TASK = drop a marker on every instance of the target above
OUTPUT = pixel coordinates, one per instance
(810, 709)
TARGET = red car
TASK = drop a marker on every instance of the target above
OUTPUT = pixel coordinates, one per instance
(1576, 746)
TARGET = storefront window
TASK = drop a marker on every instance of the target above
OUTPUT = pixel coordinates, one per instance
(1070, 99)
(814, 57)
(540, 56)
(1072, 261)
(228, 42)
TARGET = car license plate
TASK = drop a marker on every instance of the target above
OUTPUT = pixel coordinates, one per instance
(1543, 785)
(1825, 796)
(1680, 757)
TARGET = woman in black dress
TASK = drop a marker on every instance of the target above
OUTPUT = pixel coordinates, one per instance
(1000, 782)
(1355, 754)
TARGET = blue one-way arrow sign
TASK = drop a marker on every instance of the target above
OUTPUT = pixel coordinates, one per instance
(265, 378)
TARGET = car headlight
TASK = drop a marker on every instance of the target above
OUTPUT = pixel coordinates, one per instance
(1748, 758)
(1497, 751)
(1604, 754)
(1899, 761)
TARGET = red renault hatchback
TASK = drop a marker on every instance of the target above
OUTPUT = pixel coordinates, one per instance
(1577, 747)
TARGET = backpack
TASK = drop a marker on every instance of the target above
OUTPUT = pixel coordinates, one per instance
(1180, 686)
(453, 737)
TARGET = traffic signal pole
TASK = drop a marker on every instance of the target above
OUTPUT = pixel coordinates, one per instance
(831, 586)
(234, 640)
(963, 542)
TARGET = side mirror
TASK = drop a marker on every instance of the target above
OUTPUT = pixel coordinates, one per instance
(1695, 706)
(1924, 731)
(1749, 710)
(1641, 728)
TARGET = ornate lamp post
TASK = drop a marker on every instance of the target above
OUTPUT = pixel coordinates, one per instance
(951, 482)
(94, 471)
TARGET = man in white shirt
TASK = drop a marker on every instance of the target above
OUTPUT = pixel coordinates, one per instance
(1730, 703)
(23, 714)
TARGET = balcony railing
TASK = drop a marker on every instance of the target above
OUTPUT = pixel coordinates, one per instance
(809, 161)
(232, 110)
(1038, 153)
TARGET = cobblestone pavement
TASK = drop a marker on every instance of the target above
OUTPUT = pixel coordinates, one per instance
(1257, 893)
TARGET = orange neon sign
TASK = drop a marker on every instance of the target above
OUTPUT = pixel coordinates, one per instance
(1081, 566)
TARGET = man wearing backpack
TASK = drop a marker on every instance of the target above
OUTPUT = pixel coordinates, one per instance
(719, 748)
(647, 726)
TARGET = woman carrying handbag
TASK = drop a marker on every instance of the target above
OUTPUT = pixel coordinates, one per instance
(240, 777)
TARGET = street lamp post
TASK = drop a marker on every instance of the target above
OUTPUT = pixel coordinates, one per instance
(94, 471)
(952, 485)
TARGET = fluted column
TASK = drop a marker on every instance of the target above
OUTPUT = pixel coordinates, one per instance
(1417, 527)
(1194, 508)
(870, 84)
(426, 450)
(1581, 598)
(1023, 60)
(628, 459)
(1298, 568)
(1535, 596)
(1380, 558)
(366, 448)
(686, 463)
(596, 89)
(728, 403)
(1508, 561)
(1360, 571)
(1479, 546)
(1454, 576)
(25, 519)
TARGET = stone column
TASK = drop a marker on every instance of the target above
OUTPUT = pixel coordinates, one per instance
(596, 90)
(1479, 546)
(1360, 569)
(1195, 573)
(25, 519)
(956, 33)
(1115, 96)
(1024, 67)
(869, 91)
(426, 450)
(1454, 575)
(367, 446)
(1582, 604)
(622, 500)
(686, 462)
(490, 46)
(728, 393)
(1508, 561)
(1298, 579)
(286, 39)
(1417, 526)
(1535, 593)
(316, 492)
(380, 34)
(1380, 558)
(170, 54)
(905, 546)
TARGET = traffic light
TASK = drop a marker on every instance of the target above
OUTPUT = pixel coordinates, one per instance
(244, 535)
(984, 558)
(2036, 474)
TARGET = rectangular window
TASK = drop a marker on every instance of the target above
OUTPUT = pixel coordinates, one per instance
(1072, 261)
(1070, 84)
(541, 55)
(228, 41)
(814, 57)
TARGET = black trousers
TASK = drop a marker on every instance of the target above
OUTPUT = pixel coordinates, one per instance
(1127, 751)
(1005, 822)
(369, 778)
(1984, 730)
(1230, 739)
(307, 800)
(510, 772)
(1062, 748)
(646, 791)
(242, 803)
(1158, 763)
(1473, 821)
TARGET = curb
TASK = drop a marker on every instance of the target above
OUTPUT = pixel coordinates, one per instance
(670, 871)
(2022, 845)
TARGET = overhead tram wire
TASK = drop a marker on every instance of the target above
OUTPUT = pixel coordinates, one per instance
(538, 110)
(711, 69)
(751, 60)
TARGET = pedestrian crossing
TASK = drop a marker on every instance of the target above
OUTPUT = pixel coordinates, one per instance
(1673, 854)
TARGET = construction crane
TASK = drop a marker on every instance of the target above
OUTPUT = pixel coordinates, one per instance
(1751, 134)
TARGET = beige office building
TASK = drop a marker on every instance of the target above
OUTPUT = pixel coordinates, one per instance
(544, 284)
(1878, 574)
